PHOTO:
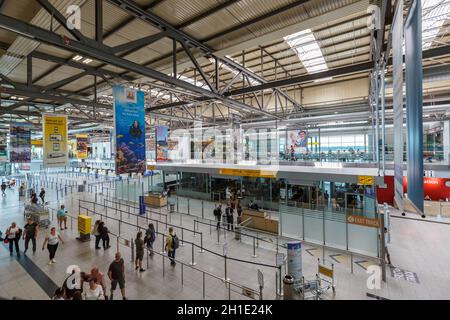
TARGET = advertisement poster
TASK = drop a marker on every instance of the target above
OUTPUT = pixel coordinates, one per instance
(298, 140)
(20, 142)
(294, 259)
(82, 141)
(3, 147)
(55, 140)
(162, 143)
(129, 126)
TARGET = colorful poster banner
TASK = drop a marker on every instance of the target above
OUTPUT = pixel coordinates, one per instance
(20, 142)
(3, 147)
(55, 140)
(162, 143)
(298, 140)
(129, 124)
(82, 141)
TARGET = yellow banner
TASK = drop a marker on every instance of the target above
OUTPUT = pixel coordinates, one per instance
(248, 173)
(82, 141)
(363, 221)
(365, 180)
(326, 271)
(55, 140)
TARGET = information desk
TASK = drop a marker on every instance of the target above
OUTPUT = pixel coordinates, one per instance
(432, 208)
(155, 200)
(259, 220)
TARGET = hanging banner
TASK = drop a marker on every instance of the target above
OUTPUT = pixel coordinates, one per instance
(397, 64)
(162, 143)
(55, 140)
(3, 147)
(298, 140)
(82, 141)
(129, 124)
(414, 101)
(20, 142)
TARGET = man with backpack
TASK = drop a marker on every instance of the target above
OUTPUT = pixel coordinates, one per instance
(172, 244)
(218, 215)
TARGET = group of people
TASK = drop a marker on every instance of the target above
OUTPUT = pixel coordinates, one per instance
(101, 232)
(14, 234)
(34, 196)
(4, 185)
(227, 217)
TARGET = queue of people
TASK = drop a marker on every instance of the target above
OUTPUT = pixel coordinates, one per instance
(226, 218)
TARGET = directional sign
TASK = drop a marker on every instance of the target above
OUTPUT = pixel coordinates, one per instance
(365, 180)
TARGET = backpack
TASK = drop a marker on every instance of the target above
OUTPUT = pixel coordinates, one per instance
(175, 242)
(216, 212)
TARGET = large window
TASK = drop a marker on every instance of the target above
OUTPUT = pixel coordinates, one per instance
(343, 143)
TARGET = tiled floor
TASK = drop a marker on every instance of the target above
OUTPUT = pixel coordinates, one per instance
(417, 246)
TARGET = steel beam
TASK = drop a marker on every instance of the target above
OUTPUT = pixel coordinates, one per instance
(99, 21)
(139, 43)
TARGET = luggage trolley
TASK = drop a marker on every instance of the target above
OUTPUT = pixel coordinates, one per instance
(39, 214)
(325, 278)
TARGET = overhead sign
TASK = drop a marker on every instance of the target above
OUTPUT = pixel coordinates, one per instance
(248, 173)
(363, 221)
(55, 140)
(365, 180)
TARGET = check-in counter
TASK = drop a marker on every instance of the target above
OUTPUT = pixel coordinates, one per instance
(432, 208)
(259, 220)
(155, 200)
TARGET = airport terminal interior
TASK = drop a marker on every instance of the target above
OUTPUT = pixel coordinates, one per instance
(225, 149)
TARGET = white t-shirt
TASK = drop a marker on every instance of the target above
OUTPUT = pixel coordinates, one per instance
(96, 294)
(53, 239)
(12, 232)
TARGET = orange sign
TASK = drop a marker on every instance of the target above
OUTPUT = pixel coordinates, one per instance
(363, 221)
(248, 173)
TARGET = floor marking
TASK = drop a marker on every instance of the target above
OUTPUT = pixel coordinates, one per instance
(332, 256)
(39, 276)
(374, 296)
(410, 276)
(359, 263)
(309, 251)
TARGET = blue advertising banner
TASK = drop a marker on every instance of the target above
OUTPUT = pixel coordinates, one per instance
(414, 100)
(129, 128)
(20, 142)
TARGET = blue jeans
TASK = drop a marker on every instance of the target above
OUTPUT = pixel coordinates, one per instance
(171, 255)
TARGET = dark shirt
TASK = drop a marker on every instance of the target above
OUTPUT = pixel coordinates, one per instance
(30, 229)
(42, 194)
(116, 269)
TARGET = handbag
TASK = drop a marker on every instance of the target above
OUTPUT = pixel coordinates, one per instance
(6, 240)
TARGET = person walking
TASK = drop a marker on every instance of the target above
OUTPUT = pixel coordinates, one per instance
(239, 214)
(61, 215)
(3, 186)
(116, 274)
(96, 233)
(94, 292)
(42, 195)
(13, 234)
(34, 198)
(31, 232)
(104, 233)
(139, 245)
(150, 237)
(52, 240)
(59, 294)
(171, 246)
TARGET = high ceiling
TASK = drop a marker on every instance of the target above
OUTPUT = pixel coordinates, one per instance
(271, 56)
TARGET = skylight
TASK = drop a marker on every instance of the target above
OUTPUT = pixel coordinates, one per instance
(434, 14)
(306, 47)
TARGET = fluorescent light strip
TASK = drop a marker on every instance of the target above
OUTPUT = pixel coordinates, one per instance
(307, 49)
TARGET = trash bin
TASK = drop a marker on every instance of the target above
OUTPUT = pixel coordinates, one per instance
(288, 287)
(237, 232)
